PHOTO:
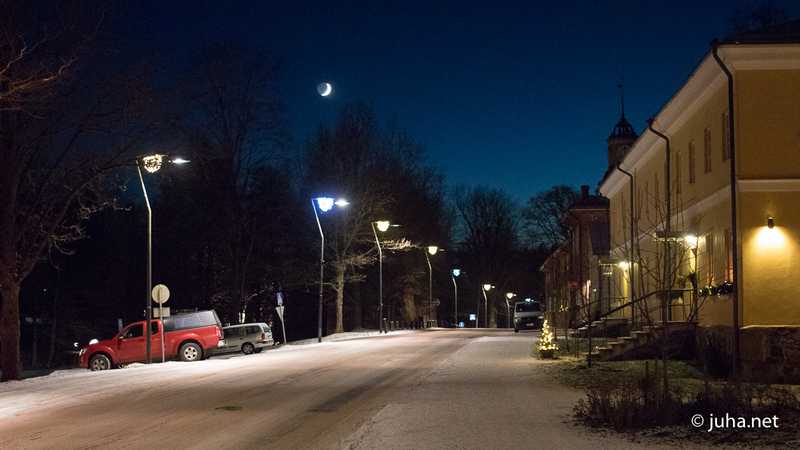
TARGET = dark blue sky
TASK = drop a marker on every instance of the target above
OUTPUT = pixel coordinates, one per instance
(513, 95)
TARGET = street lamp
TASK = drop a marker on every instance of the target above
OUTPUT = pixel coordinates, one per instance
(456, 274)
(509, 296)
(382, 226)
(486, 288)
(430, 250)
(324, 204)
(152, 164)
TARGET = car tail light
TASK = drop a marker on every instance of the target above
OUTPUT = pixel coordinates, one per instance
(219, 332)
(263, 336)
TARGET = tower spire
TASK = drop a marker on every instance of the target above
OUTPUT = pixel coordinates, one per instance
(621, 87)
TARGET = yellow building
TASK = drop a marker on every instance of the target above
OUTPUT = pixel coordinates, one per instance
(724, 268)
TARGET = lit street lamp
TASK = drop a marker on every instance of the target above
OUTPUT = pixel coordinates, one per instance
(509, 296)
(430, 250)
(456, 274)
(382, 226)
(324, 204)
(152, 164)
(486, 288)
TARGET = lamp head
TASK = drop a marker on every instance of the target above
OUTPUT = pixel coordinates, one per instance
(152, 163)
(382, 225)
(770, 222)
(324, 204)
(691, 240)
(456, 272)
(433, 249)
(341, 203)
(487, 287)
(624, 265)
(179, 161)
(510, 295)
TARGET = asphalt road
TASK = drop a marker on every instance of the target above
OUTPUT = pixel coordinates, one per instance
(476, 389)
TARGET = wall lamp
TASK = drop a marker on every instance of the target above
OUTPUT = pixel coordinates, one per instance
(770, 222)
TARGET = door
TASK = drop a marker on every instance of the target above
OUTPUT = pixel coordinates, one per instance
(130, 344)
(233, 337)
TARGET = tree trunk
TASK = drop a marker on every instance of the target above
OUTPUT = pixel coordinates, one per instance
(52, 354)
(409, 307)
(340, 269)
(9, 330)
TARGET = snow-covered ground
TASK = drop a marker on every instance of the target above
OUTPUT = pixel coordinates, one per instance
(424, 389)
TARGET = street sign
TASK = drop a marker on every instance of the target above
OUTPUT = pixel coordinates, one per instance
(160, 294)
(472, 317)
(160, 311)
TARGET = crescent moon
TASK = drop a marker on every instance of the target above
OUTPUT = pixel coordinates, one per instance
(325, 89)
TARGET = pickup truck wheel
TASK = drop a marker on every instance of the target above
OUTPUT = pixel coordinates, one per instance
(190, 352)
(247, 348)
(99, 362)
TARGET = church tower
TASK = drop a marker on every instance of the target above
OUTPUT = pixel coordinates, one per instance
(622, 136)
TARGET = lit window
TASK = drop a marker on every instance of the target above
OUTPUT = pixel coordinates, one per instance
(710, 258)
(729, 256)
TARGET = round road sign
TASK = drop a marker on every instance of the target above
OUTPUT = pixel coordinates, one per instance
(160, 294)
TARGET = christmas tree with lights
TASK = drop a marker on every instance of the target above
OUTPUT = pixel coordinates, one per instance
(547, 345)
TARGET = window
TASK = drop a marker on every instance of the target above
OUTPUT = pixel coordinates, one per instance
(678, 179)
(709, 258)
(707, 151)
(153, 327)
(691, 163)
(134, 331)
(729, 255)
(726, 144)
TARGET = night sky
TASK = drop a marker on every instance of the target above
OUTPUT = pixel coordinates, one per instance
(518, 96)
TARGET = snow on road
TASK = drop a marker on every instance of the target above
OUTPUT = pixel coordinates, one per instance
(426, 389)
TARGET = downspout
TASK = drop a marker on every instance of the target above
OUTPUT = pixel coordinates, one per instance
(631, 253)
(734, 228)
(667, 227)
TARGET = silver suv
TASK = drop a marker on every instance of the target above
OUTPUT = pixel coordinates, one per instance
(247, 338)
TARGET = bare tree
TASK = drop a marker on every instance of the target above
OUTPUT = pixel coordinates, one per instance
(542, 217)
(489, 232)
(62, 131)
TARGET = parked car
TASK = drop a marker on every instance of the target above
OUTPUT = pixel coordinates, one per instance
(189, 337)
(247, 338)
(527, 315)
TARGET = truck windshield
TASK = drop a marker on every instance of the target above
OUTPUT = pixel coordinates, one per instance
(527, 307)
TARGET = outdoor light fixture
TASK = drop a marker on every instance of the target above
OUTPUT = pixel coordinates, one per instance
(341, 203)
(691, 241)
(487, 287)
(528, 300)
(432, 250)
(179, 160)
(770, 222)
(382, 225)
(325, 204)
(510, 295)
(456, 272)
(624, 265)
(152, 163)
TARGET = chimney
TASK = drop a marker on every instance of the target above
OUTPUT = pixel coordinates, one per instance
(584, 191)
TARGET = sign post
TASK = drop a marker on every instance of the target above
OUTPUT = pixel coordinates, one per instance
(279, 310)
(160, 295)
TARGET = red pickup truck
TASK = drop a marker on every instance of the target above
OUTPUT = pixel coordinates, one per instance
(189, 337)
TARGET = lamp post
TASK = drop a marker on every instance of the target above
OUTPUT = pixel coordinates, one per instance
(152, 164)
(324, 204)
(430, 250)
(382, 226)
(456, 273)
(509, 296)
(486, 288)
